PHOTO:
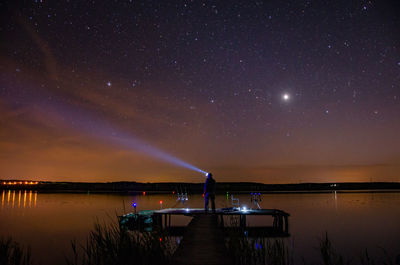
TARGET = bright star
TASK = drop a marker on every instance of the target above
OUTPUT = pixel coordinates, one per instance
(286, 97)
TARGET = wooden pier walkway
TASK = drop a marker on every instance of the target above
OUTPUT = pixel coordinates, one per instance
(202, 243)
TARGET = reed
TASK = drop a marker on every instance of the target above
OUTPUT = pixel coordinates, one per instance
(255, 251)
(11, 253)
(262, 251)
(109, 244)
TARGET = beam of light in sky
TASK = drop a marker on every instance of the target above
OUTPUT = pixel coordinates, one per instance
(87, 122)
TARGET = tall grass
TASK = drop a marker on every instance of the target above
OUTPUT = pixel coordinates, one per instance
(255, 251)
(11, 253)
(263, 251)
(109, 244)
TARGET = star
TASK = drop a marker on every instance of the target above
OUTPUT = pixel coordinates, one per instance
(286, 97)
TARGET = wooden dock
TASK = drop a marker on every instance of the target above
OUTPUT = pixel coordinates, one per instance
(161, 220)
(279, 227)
(203, 243)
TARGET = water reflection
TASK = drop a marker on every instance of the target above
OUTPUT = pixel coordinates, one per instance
(13, 196)
(335, 199)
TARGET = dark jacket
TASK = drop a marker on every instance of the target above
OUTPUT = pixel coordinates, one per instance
(209, 186)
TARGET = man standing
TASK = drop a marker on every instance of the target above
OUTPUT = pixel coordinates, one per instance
(209, 192)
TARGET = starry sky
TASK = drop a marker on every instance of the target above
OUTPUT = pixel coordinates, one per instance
(269, 91)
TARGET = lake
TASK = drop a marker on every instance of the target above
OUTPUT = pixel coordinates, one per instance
(353, 220)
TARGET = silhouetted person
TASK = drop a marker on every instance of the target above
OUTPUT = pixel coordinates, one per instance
(209, 192)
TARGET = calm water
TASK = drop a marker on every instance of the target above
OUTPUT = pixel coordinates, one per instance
(354, 221)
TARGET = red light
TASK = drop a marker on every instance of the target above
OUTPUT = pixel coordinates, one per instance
(160, 239)
(160, 202)
(173, 192)
(144, 193)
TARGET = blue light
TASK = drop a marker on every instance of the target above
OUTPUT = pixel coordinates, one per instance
(88, 122)
(134, 204)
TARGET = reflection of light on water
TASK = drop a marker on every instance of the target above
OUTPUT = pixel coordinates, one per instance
(335, 198)
(2, 199)
(30, 199)
(11, 199)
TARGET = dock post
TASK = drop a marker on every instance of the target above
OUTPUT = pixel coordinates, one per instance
(158, 220)
(286, 224)
(243, 221)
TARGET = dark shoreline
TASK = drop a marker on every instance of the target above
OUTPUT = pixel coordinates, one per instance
(197, 188)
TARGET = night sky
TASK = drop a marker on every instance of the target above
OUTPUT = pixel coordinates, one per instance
(267, 91)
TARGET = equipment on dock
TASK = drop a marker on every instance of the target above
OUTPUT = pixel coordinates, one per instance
(255, 199)
(235, 201)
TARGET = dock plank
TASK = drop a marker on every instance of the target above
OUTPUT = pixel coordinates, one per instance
(202, 243)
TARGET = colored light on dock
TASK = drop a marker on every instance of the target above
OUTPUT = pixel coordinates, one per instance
(160, 202)
(143, 193)
(134, 204)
